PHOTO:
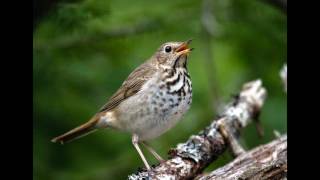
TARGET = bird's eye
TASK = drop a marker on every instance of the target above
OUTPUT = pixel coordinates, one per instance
(168, 49)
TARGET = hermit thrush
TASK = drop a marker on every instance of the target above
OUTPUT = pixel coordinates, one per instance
(151, 101)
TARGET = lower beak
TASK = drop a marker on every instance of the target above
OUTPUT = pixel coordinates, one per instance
(184, 48)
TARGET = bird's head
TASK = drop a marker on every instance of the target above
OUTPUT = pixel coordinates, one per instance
(172, 54)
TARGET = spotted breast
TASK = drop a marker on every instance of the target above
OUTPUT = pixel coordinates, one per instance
(159, 105)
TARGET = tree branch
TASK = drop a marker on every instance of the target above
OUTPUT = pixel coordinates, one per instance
(264, 162)
(188, 159)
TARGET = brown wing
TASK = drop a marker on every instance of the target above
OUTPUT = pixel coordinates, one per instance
(130, 86)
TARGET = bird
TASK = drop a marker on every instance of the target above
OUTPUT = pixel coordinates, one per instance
(152, 100)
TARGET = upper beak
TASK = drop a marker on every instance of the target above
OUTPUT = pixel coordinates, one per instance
(184, 48)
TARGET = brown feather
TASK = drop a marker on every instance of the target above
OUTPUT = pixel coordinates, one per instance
(130, 86)
(77, 132)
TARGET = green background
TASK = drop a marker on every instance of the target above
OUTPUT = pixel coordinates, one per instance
(83, 50)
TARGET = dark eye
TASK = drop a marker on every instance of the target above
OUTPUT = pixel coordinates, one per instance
(168, 49)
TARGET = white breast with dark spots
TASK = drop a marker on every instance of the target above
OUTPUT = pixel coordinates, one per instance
(169, 100)
(158, 106)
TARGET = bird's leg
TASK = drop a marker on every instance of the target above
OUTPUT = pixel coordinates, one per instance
(153, 152)
(135, 142)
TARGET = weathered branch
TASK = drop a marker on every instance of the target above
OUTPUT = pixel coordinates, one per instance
(188, 159)
(264, 162)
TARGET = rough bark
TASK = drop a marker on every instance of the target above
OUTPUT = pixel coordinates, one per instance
(188, 159)
(264, 162)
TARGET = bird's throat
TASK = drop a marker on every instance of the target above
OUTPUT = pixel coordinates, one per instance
(181, 62)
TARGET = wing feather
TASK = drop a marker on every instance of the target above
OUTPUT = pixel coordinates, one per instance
(130, 86)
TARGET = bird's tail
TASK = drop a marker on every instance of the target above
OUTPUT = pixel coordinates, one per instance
(77, 132)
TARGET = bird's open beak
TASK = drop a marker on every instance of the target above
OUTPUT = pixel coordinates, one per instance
(184, 48)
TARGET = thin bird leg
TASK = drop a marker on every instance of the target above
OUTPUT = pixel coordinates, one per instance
(153, 152)
(135, 142)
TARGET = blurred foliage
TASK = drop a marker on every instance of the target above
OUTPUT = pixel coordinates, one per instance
(83, 50)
